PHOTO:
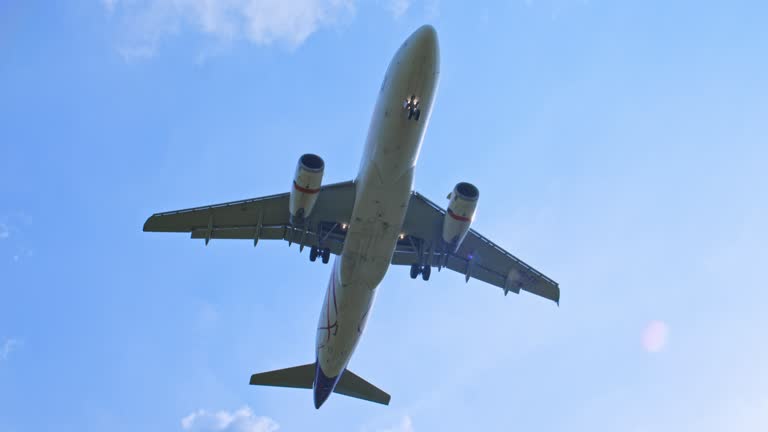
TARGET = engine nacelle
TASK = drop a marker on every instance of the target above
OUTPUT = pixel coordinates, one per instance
(461, 212)
(306, 185)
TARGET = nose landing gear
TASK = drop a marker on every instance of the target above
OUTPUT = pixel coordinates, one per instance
(412, 106)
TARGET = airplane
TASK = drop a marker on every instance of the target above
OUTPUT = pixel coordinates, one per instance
(368, 224)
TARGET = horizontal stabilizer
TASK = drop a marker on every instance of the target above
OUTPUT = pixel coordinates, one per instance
(356, 387)
(304, 377)
(296, 377)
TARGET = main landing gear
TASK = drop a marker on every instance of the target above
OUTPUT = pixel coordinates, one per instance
(412, 105)
(425, 271)
(324, 254)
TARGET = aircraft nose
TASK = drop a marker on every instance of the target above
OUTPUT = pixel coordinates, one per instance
(424, 40)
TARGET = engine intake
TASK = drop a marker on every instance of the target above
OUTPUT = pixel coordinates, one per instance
(306, 186)
(461, 212)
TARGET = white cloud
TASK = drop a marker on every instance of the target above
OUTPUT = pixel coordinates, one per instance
(398, 7)
(431, 9)
(242, 420)
(8, 346)
(406, 425)
(22, 253)
(263, 22)
(109, 5)
(137, 52)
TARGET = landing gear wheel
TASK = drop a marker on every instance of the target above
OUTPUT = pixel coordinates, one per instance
(425, 272)
(418, 114)
(326, 255)
(313, 253)
(415, 270)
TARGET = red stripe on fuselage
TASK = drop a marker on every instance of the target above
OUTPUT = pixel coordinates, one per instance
(305, 190)
(457, 217)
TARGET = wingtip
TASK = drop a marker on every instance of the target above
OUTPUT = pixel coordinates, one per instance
(146, 227)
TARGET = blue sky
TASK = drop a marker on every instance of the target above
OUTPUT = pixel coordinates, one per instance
(620, 147)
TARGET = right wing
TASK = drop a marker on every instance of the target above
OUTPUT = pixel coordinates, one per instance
(265, 218)
(477, 257)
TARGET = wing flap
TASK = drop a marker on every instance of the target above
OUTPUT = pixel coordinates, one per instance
(333, 240)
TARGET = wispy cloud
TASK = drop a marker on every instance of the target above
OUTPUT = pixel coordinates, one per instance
(242, 420)
(405, 425)
(730, 414)
(289, 22)
(8, 346)
(398, 7)
(431, 9)
(747, 415)
(109, 5)
(4, 231)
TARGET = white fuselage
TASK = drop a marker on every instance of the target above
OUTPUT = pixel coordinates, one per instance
(383, 190)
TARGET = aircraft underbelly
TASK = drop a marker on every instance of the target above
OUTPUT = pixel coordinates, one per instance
(384, 186)
(383, 193)
(370, 242)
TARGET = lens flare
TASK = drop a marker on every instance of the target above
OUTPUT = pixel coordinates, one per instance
(655, 336)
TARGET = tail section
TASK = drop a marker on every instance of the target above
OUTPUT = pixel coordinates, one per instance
(311, 376)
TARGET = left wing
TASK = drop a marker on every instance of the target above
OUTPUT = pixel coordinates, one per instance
(265, 218)
(477, 257)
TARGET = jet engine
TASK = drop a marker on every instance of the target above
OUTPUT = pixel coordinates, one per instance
(461, 212)
(306, 185)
